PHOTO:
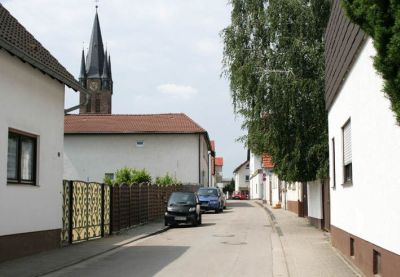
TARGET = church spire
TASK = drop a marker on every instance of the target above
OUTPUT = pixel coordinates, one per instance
(82, 75)
(105, 67)
(95, 57)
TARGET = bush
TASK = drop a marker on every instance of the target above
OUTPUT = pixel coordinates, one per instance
(140, 176)
(128, 175)
(123, 175)
(165, 180)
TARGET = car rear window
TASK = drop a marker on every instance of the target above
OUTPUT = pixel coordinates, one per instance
(182, 198)
(208, 192)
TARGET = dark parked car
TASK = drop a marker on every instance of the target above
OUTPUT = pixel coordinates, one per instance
(183, 207)
(211, 199)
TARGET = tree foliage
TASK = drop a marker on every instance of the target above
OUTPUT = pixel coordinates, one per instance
(380, 19)
(273, 57)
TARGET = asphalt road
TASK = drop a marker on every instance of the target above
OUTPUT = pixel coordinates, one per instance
(236, 242)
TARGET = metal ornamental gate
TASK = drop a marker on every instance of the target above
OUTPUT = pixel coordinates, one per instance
(86, 211)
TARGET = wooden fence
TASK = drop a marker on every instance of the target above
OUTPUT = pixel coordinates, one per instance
(93, 210)
(139, 203)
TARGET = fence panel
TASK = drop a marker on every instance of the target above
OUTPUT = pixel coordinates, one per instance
(86, 211)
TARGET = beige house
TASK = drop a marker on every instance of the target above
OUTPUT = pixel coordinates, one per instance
(98, 145)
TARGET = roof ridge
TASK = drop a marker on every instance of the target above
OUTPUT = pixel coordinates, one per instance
(111, 115)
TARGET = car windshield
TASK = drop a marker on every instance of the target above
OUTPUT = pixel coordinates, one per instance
(182, 198)
(208, 192)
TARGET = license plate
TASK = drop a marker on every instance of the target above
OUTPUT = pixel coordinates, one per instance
(180, 217)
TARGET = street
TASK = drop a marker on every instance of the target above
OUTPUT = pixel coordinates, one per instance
(236, 242)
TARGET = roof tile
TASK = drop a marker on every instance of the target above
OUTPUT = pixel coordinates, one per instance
(267, 161)
(117, 124)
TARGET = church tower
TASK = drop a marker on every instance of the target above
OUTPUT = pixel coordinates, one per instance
(96, 75)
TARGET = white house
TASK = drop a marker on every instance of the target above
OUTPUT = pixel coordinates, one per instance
(32, 85)
(364, 153)
(98, 145)
(242, 177)
(256, 187)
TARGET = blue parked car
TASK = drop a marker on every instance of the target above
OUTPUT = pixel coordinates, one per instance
(211, 199)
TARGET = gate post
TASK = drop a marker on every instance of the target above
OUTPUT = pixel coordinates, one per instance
(102, 211)
(70, 184)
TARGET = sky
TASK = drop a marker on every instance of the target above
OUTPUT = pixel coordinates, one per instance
(166, 57)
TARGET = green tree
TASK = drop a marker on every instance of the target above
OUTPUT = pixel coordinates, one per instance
(229, 187)
(273, 57)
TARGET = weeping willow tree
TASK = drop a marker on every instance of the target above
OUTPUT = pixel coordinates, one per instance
(274, 60)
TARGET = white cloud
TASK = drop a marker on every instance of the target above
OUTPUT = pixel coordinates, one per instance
(178, 91)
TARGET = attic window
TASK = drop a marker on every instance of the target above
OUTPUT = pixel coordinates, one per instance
(139, 143)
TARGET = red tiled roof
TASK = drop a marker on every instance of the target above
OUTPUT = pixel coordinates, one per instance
(267, 161)
(178, 123)
(219, 161)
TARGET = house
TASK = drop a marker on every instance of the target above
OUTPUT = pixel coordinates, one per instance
(219, 163)
(213, 180)
(364, 152)
(242, 177)
(256, 187)
(273, 190)
(32, 84)
(96, 145)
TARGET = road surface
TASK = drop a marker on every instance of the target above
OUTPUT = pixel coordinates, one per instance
(236, 242)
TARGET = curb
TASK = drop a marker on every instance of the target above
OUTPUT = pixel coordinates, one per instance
(280, 266)
(140, 237)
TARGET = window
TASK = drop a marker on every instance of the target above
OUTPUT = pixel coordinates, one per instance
(347, 155)
(109, 176)
(139, 143)
(21, 158)
(247, 178)
(352, 252)
(247, 166)
(377, 263)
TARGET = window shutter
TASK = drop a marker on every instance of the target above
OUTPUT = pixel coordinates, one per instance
(347, 157)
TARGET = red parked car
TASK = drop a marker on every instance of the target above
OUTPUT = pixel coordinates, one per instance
(238, 195)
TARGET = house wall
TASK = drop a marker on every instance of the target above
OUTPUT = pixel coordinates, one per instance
(292, 196)
(255, 186)
(34, 103)
(314, 193)
(272, 181)
(204, 161)
(367, 208)
(240, 178)
(176, 154)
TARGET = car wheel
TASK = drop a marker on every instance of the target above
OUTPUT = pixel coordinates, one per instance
(216, 211)
(200, 219)
(165, 222)
(195, 222)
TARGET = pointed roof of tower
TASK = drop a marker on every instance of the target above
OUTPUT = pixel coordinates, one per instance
(82, 75)
(95, 56)
(109, 66)
(105, 68)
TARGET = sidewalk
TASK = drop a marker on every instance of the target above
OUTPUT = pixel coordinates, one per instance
(300, 249)
(46, 262)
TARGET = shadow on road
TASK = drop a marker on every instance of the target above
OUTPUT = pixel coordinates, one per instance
(137, 260)
(240, 204)
(190, 226)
